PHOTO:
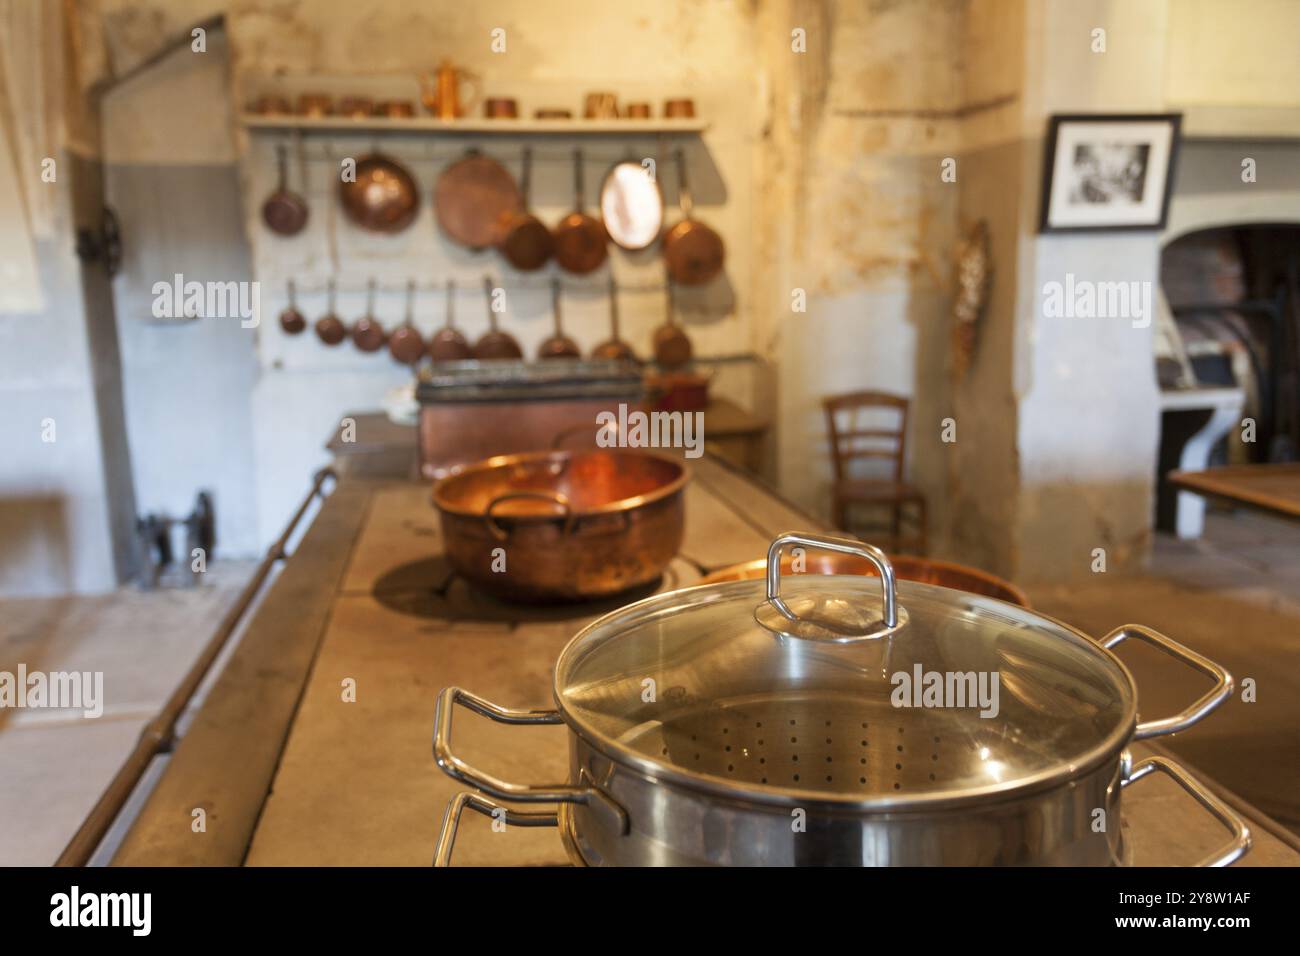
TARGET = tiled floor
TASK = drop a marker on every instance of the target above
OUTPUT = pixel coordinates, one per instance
(54, 764)
(1234, 596)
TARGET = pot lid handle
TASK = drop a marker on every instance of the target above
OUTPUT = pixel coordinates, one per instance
(777, 616)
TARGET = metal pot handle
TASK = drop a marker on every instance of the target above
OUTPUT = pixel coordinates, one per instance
(489, 808)
(458, 769)
(501, 534)
(1215, 696)
(1223, 813)
(893, 617)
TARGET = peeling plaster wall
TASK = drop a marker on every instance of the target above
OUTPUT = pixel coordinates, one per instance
(862, 222)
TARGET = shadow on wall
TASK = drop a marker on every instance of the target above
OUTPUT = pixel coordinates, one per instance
(35, 548)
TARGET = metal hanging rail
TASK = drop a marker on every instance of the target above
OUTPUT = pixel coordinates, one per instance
(159, 735)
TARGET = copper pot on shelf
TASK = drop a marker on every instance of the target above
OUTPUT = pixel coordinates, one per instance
(357, 107)
(680, 108)
(601, 106)
(315, 105)
(577, 525)
(396, 109)
(440, 91)
(501, 107)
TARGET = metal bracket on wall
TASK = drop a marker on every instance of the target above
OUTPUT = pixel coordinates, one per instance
(102, 244)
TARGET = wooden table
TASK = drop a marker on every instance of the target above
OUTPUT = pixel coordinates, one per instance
(1271, 488)
(293, 769)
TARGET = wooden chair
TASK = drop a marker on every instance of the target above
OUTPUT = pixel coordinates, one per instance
(854, 434)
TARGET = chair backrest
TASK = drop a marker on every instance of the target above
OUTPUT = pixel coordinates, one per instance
(850, 439)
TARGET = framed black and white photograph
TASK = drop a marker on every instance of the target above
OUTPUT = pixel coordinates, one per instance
(1108, 172)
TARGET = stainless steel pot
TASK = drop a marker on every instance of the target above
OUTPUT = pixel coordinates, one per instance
(766, 723)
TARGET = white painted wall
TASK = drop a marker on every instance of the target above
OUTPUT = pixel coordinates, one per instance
(171, 176)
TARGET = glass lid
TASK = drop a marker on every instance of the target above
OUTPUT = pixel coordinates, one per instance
(844, 688)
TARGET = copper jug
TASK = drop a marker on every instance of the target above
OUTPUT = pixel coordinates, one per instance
(440, 91)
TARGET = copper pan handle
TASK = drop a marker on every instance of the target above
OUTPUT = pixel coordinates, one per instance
(501, 534)
(1208, 702)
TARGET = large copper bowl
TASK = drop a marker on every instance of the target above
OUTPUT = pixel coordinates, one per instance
(541, 527)
(946, 574)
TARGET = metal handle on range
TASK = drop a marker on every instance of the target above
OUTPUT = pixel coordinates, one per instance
(1240, 832)
(892, 616)
(1207, 703)
(458, 769)
(489, 808)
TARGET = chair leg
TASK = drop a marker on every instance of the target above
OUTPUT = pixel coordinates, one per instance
(896, 526)
(923, 527)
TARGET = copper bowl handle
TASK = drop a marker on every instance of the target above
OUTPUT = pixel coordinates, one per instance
(501, 534)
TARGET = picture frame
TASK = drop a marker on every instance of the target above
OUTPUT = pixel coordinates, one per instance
(1109, 172)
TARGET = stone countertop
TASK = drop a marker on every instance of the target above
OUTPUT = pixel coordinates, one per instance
(291, 773)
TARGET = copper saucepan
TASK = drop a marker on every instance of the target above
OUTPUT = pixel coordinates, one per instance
(558, 345)
(383, 197)
(614, 347)
(581, 243)
(495, 344)
(448, 344)
(329, 327)
(693, 251)
(368, 332)
(946, 574)
(284, 212)
(291, 319)
(574, 525)
(526, 242)
(406, 344)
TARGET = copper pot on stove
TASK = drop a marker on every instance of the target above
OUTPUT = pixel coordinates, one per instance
(575, 525)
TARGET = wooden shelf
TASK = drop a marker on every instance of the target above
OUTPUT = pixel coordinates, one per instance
(476, 126)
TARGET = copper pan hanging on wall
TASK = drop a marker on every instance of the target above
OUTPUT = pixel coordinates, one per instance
(693, 251)
(581, 243)
(473, 200)
(383, 197)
